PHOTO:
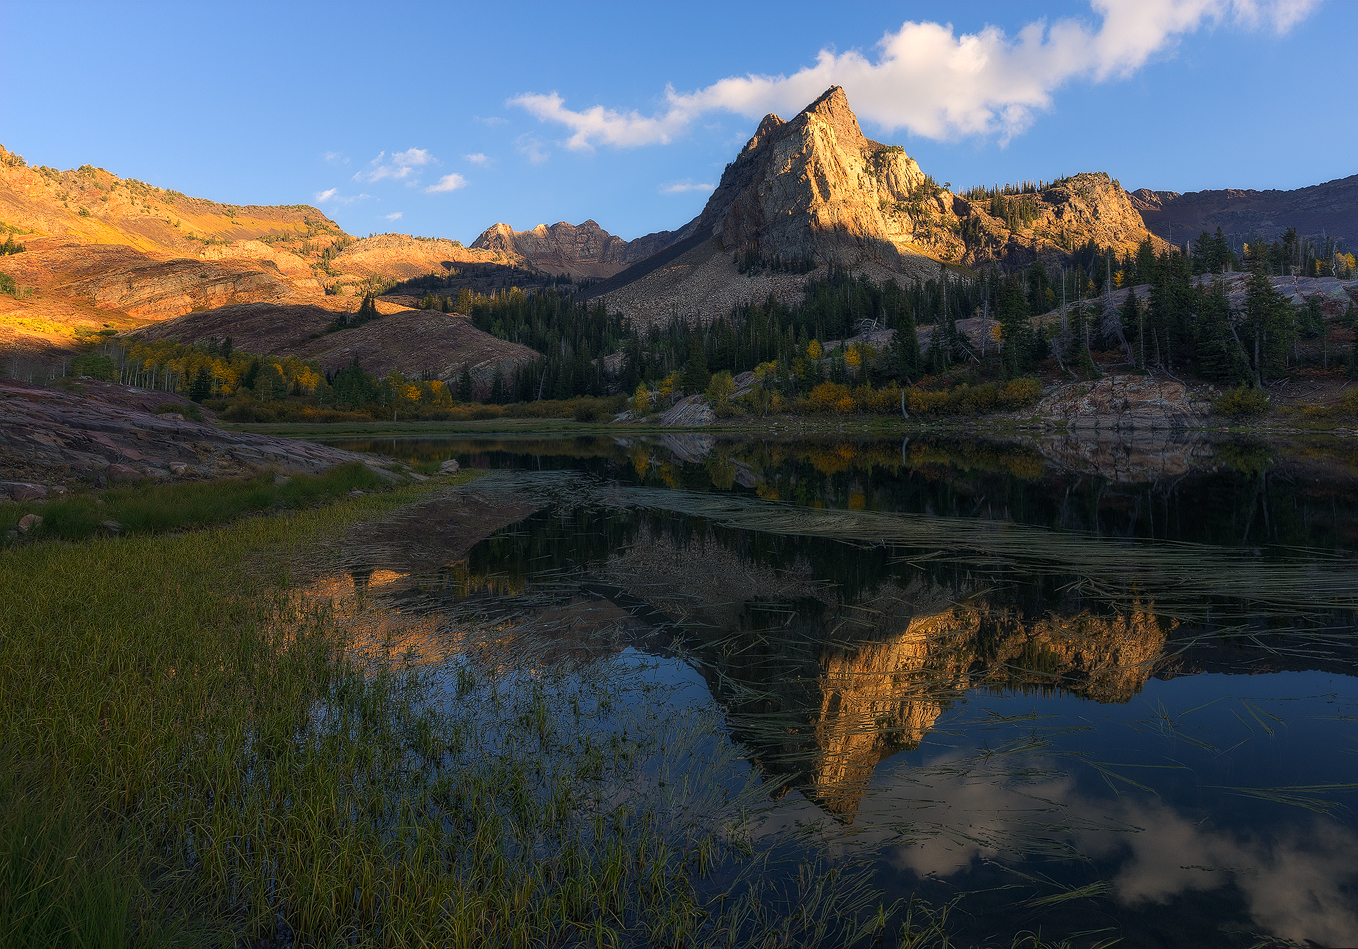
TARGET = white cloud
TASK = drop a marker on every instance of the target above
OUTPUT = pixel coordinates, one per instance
(394, 216)
(933, 82)
(336, 157)
(332, 196)
(397, 165)
(447, 183)
(681, 187)
(478, 158)
(532, 147)
(491, 120)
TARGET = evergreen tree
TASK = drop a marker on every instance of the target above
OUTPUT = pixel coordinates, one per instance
(464, 384)
(367, 310)
(903, 358)
(353, 387)
(201, 387)
(1012, 313)
(251, 373)
(1221, 359)
(695, 373)
(1270, 325)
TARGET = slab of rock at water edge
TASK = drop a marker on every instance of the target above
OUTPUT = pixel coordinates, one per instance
(1122, 402)
(51, 434)
(690, 412)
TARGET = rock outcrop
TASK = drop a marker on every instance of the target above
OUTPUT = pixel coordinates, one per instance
(115, 431)
(1125, 402)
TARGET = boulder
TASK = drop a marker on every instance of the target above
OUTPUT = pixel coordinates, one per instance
(28, 522)
(1124, 402)
(448, 467)
(22, 491)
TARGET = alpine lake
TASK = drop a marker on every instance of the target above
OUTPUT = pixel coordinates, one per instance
(1085, 690)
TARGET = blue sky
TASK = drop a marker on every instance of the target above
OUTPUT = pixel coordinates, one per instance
(440, 119)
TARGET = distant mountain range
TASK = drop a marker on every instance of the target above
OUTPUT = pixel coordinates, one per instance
(1320, 211)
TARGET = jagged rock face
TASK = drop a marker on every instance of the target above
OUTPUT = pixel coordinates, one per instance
(584, 250)
(818, 187)
(1329, 209)
(812, 187)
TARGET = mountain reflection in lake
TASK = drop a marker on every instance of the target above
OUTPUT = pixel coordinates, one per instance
(1107, 694)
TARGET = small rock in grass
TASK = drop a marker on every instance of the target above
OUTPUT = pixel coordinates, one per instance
(356, 493)
(28, 522)
(280, 479)
(113, 527)
(448, 467)
(178, 468)
(123, 473)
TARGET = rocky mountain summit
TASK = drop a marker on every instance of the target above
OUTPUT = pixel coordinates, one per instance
(1324, 210)
(583, 250)
(817, 188)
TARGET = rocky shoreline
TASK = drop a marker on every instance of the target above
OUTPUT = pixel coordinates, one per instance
(52, 438)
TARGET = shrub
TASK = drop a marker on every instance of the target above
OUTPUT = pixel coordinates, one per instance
(1241, 402)
(719, 391)
(1018, 393)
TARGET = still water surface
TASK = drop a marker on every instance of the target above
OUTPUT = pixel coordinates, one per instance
(1100, 691)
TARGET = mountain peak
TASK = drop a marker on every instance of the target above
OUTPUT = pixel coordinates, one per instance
(832, 108)
(816, 188)
(768, 127)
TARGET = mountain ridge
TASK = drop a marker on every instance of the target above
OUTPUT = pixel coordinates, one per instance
(582, 250)
(1315, 211)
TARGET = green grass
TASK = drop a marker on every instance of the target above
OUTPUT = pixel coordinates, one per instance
(62, 883)
(154, 508)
